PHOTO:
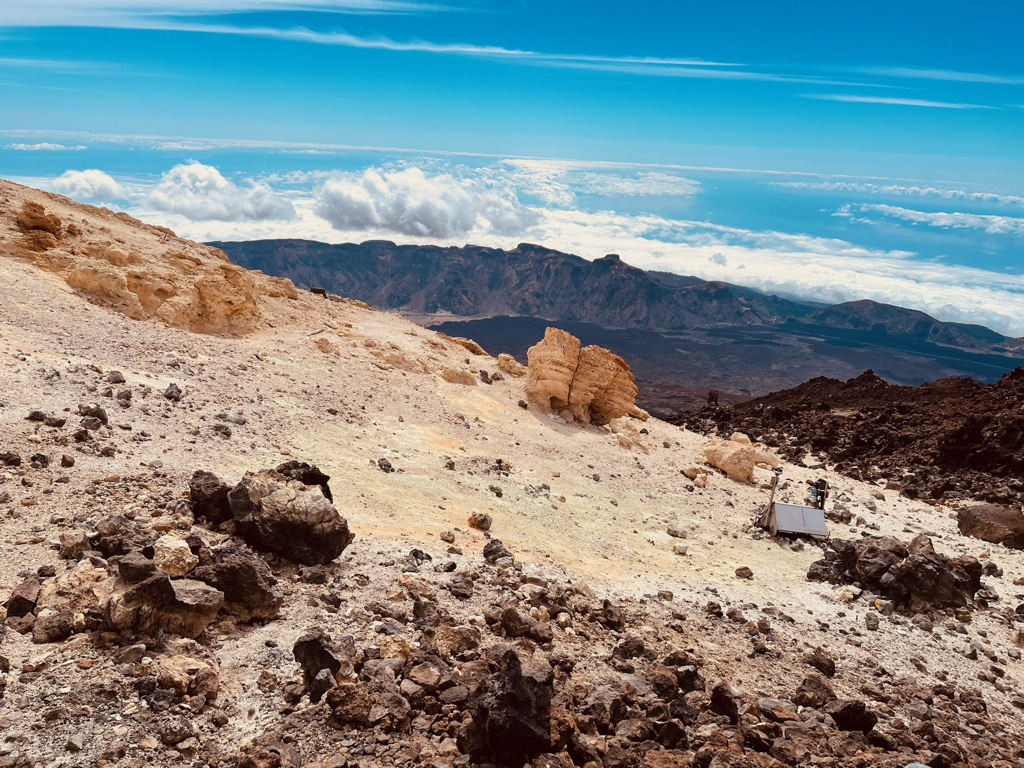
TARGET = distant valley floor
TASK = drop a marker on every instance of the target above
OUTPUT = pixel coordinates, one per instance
(675, 370)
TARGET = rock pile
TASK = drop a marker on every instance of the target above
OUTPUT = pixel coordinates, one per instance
(132, 580)
(912, 575)
(968, 434)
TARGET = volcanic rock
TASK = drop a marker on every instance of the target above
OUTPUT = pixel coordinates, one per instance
(23, 599)
(209, 497)
(146, 599)
(307, 474)
(993, 522)
(513, 715)
(288, 518)
(852, 715)
(244, 577)
(910, 574)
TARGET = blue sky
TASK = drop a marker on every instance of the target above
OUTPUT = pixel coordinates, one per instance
(821, 149)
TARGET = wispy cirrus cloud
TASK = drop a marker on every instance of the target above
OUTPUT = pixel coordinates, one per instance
(908, 190)
(988, 223)
(46, 146)
(948, 75)
(129, 13)
(894, 100)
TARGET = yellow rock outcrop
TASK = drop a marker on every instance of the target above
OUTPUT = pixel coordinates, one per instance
(142, 271)
(589, 385)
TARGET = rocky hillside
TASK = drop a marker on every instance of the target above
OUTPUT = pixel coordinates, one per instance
(329, 537)
(950, 439)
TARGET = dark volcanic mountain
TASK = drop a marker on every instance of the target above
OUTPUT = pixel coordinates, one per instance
(681, 335)
(531, 281)
(952, 438)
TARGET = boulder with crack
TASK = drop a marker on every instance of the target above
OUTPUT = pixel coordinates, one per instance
(286, 517)
(590, 384)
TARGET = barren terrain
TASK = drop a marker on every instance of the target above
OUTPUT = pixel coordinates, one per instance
(581, 508)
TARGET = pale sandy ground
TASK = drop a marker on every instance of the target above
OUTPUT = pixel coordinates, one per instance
(609, 532)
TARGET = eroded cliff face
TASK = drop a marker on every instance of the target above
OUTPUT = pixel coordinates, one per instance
(142, 271)
(590, 384)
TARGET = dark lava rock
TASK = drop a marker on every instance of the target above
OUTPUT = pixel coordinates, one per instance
(814, 692)
(23, 599)
(316, 651)
(288, 518)
(93, 411)
(724, 703)
(52, 627)
(993, 522)
(967, 434)
(307, 474)
(852, 715)
(173, 392)
(10, 459)
(245, 579)
(209, 497)
(513, 714)
(910, 574)
(820, 659)
(494, 550)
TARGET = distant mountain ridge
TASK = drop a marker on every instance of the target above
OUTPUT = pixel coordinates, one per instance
(534, 281)
(680, 334)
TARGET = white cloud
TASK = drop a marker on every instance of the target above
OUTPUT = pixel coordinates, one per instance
(915, 73)
(993, 225)
(46, 146)
(894, 100)
(901, 189)
(129, 13)
(91, 185)
(558, 182)
(200, 193)
(410, 202)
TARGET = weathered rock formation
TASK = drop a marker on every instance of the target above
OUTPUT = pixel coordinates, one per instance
(146, 599)
(737, 457)
(589, 385)
(141, 271)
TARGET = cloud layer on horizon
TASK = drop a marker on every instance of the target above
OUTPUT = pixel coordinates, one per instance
(451, 205)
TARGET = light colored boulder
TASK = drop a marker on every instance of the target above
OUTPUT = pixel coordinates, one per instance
(737, 459)
(173, 556)
(510, 365)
